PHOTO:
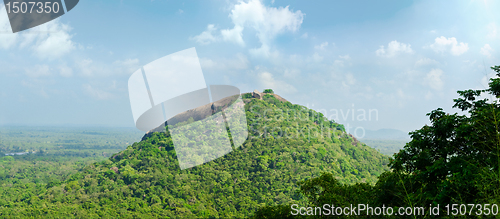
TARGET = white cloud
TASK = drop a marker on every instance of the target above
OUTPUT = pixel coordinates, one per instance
(267, 21)
(442, 44)
(206, 37)
(234, 35)
(49, 40)
(267, 80)
(486, 50)
(426, 61)
(263, 51)
(394, 48)
(434, 79)
(322, 46)
(304, 36)
(97, 93)
(55, 42)
(38, 71)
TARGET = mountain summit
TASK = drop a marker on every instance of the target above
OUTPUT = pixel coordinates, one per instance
(286, 143)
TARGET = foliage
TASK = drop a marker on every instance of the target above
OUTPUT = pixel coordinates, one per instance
(455, 160)
(269, 91)
(247, 95)
(322, 190)
(287, 144)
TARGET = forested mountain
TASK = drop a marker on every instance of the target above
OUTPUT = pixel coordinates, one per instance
(287, 144)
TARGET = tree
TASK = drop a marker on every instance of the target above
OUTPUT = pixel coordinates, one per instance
(269, 91)
(455, 159)
(247, 95)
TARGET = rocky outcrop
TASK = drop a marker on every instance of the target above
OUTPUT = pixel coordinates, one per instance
(280, 98)
(207, 110)
(257, 94)
(197, 114)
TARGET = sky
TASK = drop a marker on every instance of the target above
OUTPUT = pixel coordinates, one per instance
(366, 64)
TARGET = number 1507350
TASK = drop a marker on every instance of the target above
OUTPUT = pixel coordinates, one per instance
(32, 7)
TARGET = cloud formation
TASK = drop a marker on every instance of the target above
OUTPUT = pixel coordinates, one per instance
(394, 48)
(322, 46)
(443, 44)
(52, 40)
(486, 50)
(268, 22)
(206, 37)
(49, 40)
(234, 35)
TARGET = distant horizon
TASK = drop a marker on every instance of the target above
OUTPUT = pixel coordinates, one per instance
(125, 127)
(64, 126)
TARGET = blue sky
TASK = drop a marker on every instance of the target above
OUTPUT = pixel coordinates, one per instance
(400, 58)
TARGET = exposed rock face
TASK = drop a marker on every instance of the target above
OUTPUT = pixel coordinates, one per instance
(257, 94)
(207, 110)
(197, 114)
(280, 98)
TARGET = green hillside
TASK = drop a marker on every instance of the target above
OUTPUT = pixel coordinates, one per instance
(287, 144)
